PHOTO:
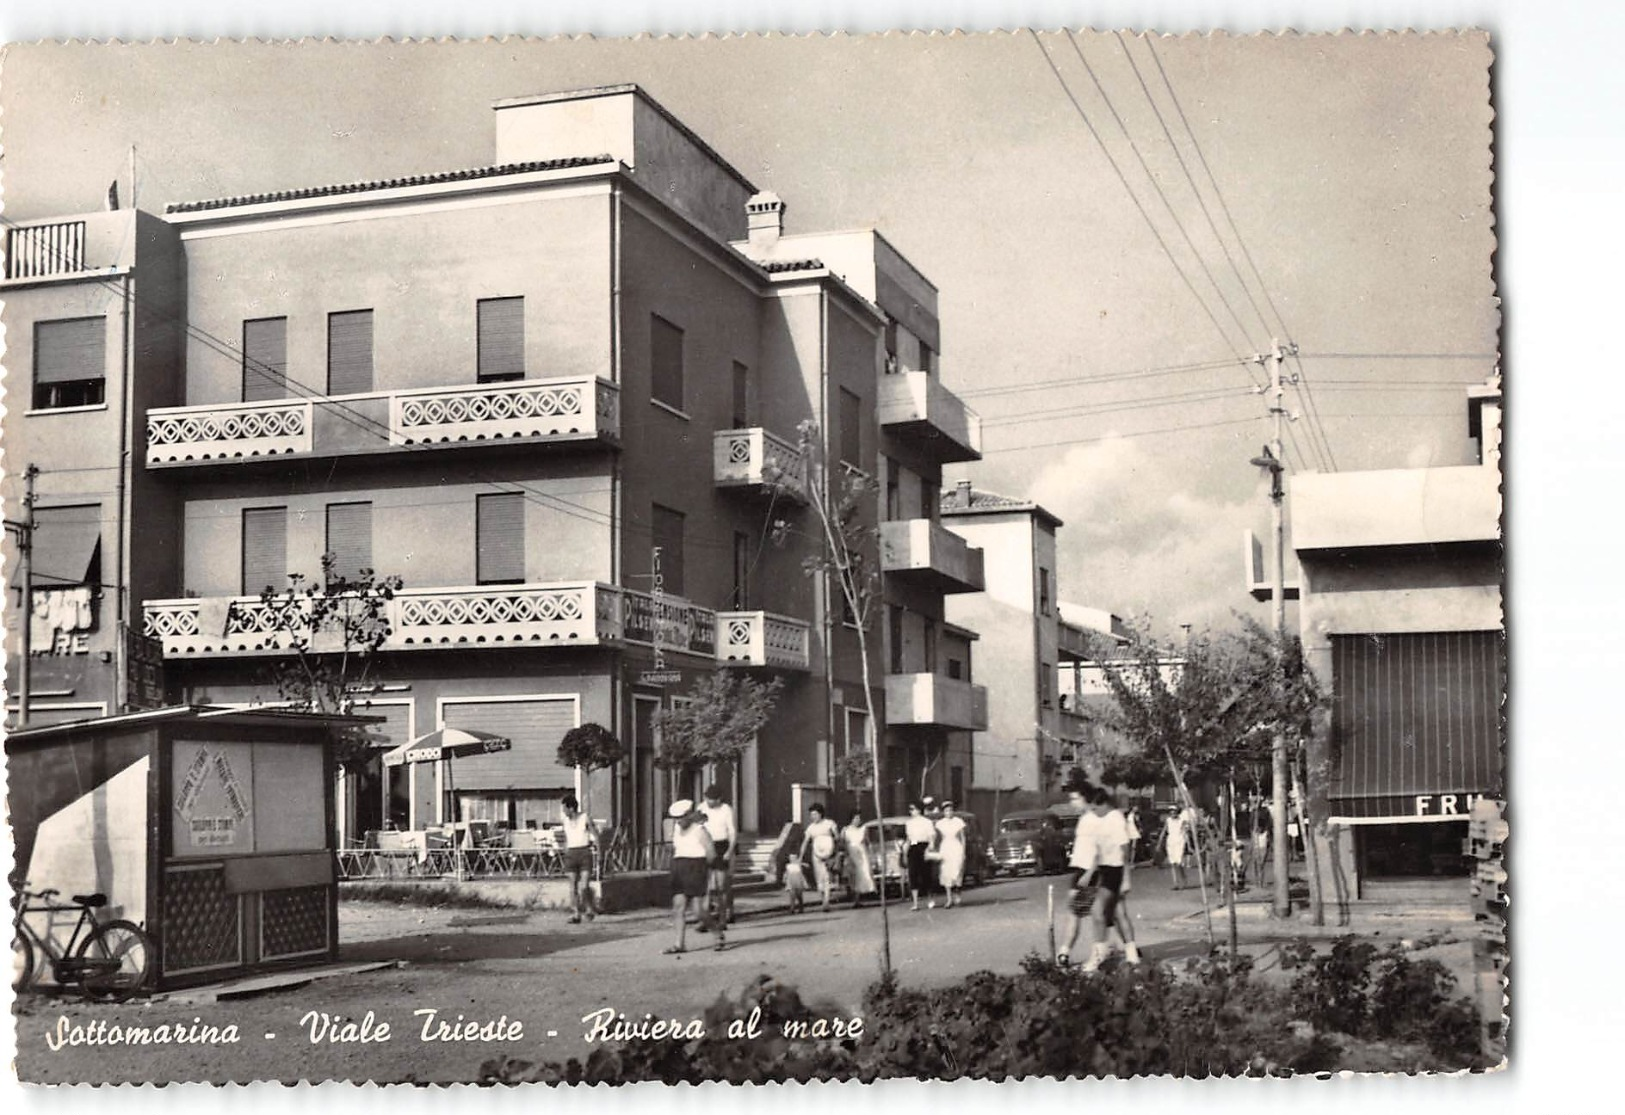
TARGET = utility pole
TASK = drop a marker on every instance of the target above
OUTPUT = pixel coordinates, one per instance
(25, 565)
(1274, 459)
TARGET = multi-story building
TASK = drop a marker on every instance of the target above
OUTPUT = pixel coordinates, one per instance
(93, 307)
(1024, 639)
(558, 395)
(1401, 618)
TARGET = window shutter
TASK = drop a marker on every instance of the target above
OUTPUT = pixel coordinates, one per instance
(349, 538)
(500, 546)
(265, 359)
(65, 351)
(265, 549)
(741, 385)
(668, 535)
(535, 729)
(501, 339)
(349, 352)
(665, 361)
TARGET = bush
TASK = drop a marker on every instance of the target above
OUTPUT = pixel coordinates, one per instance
(1330, 991)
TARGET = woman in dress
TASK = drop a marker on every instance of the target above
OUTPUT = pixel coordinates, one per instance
(920, 834)
(951, 849)
(860, 880)
(823, 838)
(1175, 833)
(691, 851)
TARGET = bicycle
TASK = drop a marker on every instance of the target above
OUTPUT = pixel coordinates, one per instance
(109, 965)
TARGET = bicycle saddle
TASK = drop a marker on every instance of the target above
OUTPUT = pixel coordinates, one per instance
(94, 901)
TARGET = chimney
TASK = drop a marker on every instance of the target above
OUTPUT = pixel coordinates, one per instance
(962, 494)
(764, 214)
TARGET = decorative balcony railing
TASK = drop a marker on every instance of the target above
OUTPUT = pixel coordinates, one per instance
(756, 459)
(935, 700)
(233, 430)
(561, 614)
(918, 406)
(932, 553)
(763, 639)
(571, 409)
(35, 251)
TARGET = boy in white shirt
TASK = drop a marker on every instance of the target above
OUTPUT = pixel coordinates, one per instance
(1099, 851)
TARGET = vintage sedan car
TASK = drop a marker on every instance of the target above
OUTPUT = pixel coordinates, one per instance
(978, 859)
(1031, 840)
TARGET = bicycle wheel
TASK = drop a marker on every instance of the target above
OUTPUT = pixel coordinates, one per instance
(114, 962)
(22, 963)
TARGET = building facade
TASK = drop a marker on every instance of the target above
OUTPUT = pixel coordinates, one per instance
(1402, 620)
(560, 396)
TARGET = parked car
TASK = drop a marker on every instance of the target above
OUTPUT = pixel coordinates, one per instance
(978, 859)
(1031, 839)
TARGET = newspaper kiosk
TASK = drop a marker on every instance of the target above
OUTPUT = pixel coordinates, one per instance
(213, 829)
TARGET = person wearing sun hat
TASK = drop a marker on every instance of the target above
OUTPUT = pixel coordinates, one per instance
(691, 851)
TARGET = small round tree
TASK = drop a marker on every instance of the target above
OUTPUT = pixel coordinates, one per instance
(588, 748)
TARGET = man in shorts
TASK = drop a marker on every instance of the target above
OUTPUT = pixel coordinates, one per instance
(720, 823)
(1099, 848)
(579, 837)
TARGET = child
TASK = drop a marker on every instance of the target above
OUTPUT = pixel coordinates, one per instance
(787, 866)
(795, 884)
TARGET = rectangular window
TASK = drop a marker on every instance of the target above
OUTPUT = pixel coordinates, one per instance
(1046, 684)
(349, 539)
(857, 730)
(956, 669)
(1043, 592)
(500, 339)
(741, 593)
(851, 418)
(927, 360)
(668, 536)
(894, 499)
(70, 363)
(894, 635)
(891, 346)
(930, 500)
(741, 383)
(265, 549)
(265, 359)
(499, 527)
(349, 352)
(665, 362)
(930, 647)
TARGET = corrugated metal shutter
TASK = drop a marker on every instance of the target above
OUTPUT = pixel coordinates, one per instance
(1417, 714)
(265, 359)
(349, 538)
(65, 351)
(534, 726)
(349, 352)
(665, 361)
(500, 546)
(501, 340)
(265, 549)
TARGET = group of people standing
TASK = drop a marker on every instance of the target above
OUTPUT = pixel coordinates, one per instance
(1187, 833)
(820, 854)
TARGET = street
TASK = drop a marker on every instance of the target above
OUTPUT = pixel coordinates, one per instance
(529, 985)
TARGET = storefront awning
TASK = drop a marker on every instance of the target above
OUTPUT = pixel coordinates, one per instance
(1416, 723)
(65, 544)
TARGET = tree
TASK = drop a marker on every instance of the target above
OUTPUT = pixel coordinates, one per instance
(839, 497)
(335, 628)
(589, 747)
(716, 722)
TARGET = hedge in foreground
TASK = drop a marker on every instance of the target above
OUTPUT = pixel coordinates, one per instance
(1350, 1008)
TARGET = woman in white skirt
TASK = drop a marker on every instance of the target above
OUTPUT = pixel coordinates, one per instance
(951, 851)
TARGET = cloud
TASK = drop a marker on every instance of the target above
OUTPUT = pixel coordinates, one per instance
(1144, 534)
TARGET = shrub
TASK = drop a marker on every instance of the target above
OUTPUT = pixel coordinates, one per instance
(1330, 991)
(1407, 996)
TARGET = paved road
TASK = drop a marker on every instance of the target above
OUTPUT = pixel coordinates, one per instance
(537, 970)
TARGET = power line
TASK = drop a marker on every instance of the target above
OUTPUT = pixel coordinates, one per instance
(1085, 381)
(1402, 355)
(1114, 436)
(1200, 395)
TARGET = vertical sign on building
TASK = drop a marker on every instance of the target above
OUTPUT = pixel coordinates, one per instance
(659, 675)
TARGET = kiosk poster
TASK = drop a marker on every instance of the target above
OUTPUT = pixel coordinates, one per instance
(922, 361)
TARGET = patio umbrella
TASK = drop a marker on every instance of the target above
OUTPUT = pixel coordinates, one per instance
(447, 743)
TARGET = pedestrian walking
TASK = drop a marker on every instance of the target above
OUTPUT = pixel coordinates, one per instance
(579, 838)
(1124, 920)
(950, 852)
(822, 838)
(724, 833)
(1262, 823)
(1098, 850)
(860, 879)
(691, 853)
(1176, 835)
(920, 834)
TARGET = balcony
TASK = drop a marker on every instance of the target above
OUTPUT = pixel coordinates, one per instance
(916, 406)
(88, 244)
(931, 699)
(930, 553)
(564, 614)
(1073, 642)
(763, 639)
(755, 460)
(1396, 507)
(562, 410)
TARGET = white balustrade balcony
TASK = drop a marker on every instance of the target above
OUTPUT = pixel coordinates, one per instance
(931, 699)
(917, 406)
(763, 639)
(757, 460)
(932, 554)
(563, 410)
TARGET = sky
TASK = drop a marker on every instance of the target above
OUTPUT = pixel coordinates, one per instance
(1115, 224)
